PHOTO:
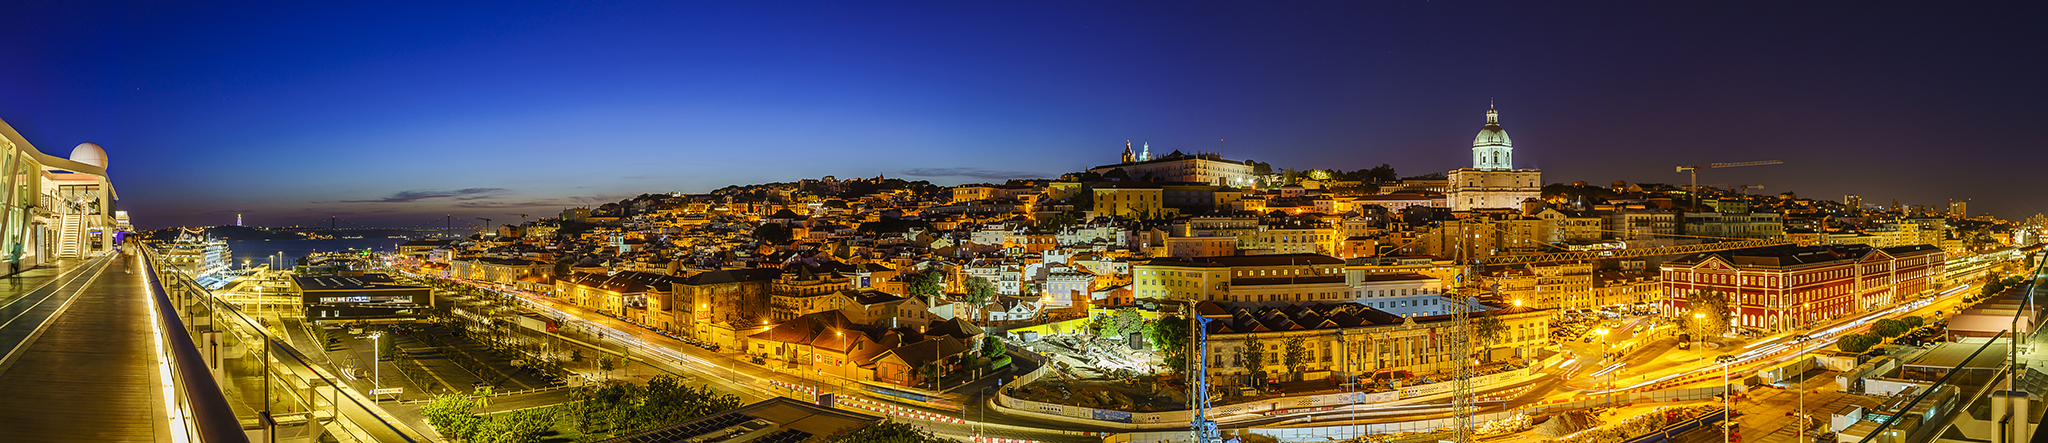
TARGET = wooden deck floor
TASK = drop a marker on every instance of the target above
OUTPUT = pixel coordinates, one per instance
(90, 374)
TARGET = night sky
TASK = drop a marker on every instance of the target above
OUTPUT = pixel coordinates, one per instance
(395, 114)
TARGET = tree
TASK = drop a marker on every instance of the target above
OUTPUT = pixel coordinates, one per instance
(1294, 354)
(1129, 321)
(609, 409)
(930, 372)
(888, 431)
(1488, 330)
(514, 427)
(665, 400)
(1119, 324)
(1888, 328)
(1060, 221)
(1171, 336)
(1383, 173)
(1709, 312)
(979, 293)
(1913, 322)
(1855, 343)
(452, 415)
(576, 355)
(388, 345)
(1992, 286)
(1084, 199)
(992, 347)
(1253, 355)
(927, 284)
(774, 233)
(604, 363)
(1104, 326)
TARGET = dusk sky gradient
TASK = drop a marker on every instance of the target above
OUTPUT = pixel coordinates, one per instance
(396, 113)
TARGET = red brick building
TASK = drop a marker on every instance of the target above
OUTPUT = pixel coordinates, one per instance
(1784, 287)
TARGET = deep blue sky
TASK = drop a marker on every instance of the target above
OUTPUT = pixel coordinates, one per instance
(398, 113)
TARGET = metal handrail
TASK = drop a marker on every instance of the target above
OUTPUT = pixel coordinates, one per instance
(212, 418)
(1894, 418)
(363, 410)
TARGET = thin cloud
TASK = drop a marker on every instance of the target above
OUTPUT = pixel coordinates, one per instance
(970, 172)
(565, 202)
(417, 195)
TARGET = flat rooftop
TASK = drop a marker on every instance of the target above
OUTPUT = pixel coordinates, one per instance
(776, 419)
(342, 283)
(1949, 355)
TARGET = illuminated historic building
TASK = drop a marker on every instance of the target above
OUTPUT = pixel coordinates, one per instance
(1176, 167)
(1780, 288)
(1493, 181)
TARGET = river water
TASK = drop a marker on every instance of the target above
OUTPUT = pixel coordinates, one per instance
(259, 251)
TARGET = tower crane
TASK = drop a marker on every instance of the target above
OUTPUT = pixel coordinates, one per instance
(1694, 172)
(522, 218)
(486, 226)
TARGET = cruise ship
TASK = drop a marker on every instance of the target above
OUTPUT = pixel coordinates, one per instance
(206, 259)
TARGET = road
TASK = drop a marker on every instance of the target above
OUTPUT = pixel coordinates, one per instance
(753, 382)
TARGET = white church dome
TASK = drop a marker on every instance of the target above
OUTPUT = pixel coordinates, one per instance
(91, 154)
(1492, 134)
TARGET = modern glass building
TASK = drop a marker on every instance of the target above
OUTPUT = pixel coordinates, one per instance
(56, 207)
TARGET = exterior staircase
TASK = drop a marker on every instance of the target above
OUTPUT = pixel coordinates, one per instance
(71, 237)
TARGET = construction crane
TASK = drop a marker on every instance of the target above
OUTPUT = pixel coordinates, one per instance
(1470, 286)
(486, 226)
(522, 218)
(1202, 426)
(1694, 170)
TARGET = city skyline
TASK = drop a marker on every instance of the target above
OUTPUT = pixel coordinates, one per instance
(521, 109)
(1069, 222)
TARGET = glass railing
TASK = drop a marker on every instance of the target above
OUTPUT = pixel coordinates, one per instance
(1975, 397)
(264, 383)
(194, 404)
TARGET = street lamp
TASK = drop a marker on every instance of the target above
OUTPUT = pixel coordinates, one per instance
(1727, 403)
(377, 369)
(1699, 334)
(982, 424)
(1605, 349)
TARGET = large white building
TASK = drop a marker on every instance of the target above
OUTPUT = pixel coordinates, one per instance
(1493, 181)
(1176, 167)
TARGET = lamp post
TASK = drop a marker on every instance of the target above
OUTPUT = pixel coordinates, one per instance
(982, 423)
(1727, 403)
(1605, 349)
(376, 366)
(1699, 333)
